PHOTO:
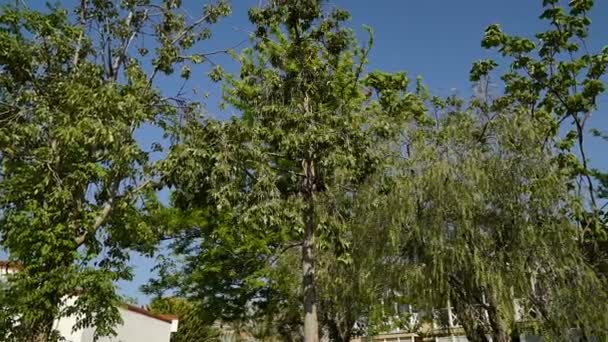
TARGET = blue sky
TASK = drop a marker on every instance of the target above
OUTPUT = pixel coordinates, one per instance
(436, 39)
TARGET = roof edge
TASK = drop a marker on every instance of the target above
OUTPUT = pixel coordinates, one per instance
(165, 318)
(12, 265)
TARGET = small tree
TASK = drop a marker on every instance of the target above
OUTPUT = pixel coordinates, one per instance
(191, 327)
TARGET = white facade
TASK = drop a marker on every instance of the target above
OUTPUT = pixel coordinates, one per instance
(7, 268)
(137, 326)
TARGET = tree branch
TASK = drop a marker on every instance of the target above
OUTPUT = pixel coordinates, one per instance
(83, 13)
(275, 257)
(189, 28)
(99, 220)
(107, 209)
(126, 43)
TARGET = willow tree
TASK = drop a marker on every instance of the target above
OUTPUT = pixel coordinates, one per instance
(359, 297)
(74, 88)
(495, 208)
(309, 125)
(483, 215)
(557, 79)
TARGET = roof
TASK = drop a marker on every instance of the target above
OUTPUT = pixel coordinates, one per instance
(11, 265)
(142, 311)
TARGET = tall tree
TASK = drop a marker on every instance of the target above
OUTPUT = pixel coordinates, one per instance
(557, 80)
(74, 181)
(310, 126)
(500, 189)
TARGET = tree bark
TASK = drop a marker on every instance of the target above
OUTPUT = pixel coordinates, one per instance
(500, 330)
(41, 330)
(471, 323)
(311, 323)
(338, 330)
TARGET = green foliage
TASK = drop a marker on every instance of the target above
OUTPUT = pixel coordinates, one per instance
(557, 79)
(486, 223)
(475, 207)
(332, 186)
(556, 82)
(75, 184)
(358, 292)
(500, 182)
(311, 131)
(191, 327)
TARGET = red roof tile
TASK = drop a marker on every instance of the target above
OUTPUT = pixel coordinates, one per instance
(142, 311)
(14, 265)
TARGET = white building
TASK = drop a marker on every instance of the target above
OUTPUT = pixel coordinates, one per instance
(444, 327)
(138, 323)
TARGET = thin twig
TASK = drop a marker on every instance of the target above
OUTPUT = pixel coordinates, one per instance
(83, 13)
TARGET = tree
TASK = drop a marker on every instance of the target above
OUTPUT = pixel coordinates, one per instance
(483, 215)
(191, 327)
(558, 80)
(75, 183)
(499, 227)
(310, 126)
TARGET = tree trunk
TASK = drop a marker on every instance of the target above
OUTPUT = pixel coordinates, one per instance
(347, 335)
(311, 321)
(338, 330)
(471, 322)
(40, 331)
(500, 329)
(41, 337)
(311, 324)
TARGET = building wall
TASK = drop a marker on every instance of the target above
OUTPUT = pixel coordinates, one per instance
(452, 339)
(64, 327)
(136, 327)
(4, 270)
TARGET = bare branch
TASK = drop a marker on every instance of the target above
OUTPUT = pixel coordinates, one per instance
(83, 13)
(125, 46)
(276, 257)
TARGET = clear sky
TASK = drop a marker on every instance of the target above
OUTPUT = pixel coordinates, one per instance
(436, 39)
